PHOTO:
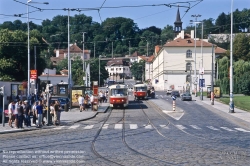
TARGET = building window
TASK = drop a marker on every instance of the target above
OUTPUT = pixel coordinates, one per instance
(112, 69)
(188, 66)
(189, 54)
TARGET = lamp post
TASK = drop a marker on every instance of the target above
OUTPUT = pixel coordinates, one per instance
(83, 58)
(231, 104)
(190, 78)
(28, 27)
(212, 77)
(195, 81)
(99, 69)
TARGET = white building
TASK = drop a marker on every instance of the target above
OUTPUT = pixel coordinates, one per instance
(174, 65)
(116, 68)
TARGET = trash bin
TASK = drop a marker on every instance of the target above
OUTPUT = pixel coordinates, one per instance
(66, 107)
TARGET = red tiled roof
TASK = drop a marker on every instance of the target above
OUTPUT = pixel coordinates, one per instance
(187, 42)
(219, 50)
(136, 53)
(115, 62)
(147, 58)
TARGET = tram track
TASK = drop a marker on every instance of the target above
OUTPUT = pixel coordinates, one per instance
(182, 143)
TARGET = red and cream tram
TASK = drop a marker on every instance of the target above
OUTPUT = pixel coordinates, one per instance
(140, 90)
(118, 95)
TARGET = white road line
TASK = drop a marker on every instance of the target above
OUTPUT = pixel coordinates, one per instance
(133, 126)
(228, 129)
(89, 127)
(164, 126)
(195, 127)
(59, 127)
(148, 126)
(243, 130)
(105, 126)
(212, 128)
(180, 127)
(161, 96)
(118, 126)
(74, 126)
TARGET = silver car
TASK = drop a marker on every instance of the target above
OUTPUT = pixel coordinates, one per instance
(186, 96)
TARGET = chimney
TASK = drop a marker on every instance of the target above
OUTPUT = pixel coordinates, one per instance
(182, 34)
(192, 34)
(157, 49)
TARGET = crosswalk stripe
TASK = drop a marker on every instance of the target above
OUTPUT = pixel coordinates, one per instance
(226, 128)
(89, 127)
(195, 127)
(164, 126)
(59, 127)
(212, 128)
(105, 126)
(118, 126)
(133, 126)
(240, 129)
(74, 126)
(180, 127)
(148, 126)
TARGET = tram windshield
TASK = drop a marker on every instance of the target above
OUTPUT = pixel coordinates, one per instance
(141, 89)
(118, 92)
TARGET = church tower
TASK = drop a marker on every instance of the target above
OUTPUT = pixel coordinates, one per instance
(177, 23)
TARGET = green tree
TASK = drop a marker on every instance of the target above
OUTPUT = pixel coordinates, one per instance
(137, 70)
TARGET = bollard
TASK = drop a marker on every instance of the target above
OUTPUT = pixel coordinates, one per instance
(173, 105)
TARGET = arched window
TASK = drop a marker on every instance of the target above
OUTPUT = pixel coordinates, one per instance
(189, 54)
(188, 66)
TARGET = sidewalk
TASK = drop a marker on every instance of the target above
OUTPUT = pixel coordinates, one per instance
(72, 116)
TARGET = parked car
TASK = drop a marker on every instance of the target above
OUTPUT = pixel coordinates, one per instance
(169, 91)
(62, 100)
(186, 96)
(175, 93)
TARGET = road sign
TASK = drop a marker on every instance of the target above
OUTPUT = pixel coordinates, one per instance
(202, 82)
(33, 74)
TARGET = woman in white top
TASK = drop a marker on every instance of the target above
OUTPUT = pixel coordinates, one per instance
(10, 108)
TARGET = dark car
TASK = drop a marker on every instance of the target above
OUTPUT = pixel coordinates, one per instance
(62, 100)
(175, 93)
(186, 96)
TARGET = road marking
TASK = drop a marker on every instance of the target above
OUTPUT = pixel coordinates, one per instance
(161, 96)
(105, 126)
(74, 126)
(212, 128)
(240, 129)
(164, 126)
(180, 127)
(228, 129)
(133, 126)
(148, 126)
(195, 127)
(118, 126)
(89, 127)
(58, 128)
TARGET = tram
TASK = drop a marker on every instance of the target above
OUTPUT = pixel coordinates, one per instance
(140, 90)
(118, 95)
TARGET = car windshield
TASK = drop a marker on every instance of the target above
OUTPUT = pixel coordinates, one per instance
(186, 94)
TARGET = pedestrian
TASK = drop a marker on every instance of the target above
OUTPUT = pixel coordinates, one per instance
(39, 113)
(11, 110)
(16, 114)
(27, 111)
(34, 113)
(57, 113)
(44, 104)
(92, 102)
(100, 97)
(80, 101)
(20, 110)
(52, 112)
(86, 102)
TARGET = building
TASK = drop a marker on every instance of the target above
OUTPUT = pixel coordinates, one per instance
(174, 65)
(118, 68)
(148, 67)
(75, 52)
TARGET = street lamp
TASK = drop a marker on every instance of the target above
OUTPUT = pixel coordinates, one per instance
(83, 58)
(99, 69)
(28, 27)
(231, 104)
(190, 77)
(195, 81)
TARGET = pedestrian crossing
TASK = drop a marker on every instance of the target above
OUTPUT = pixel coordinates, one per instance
(119, 126)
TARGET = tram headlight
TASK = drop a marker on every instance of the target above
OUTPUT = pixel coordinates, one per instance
(122, 100)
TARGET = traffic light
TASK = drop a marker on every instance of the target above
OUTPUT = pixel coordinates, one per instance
(1, 90)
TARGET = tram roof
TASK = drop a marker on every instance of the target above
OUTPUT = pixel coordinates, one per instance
(118, 86)
(140, 85)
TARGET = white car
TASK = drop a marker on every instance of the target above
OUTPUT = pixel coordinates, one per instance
(130, 89)
(169, 91)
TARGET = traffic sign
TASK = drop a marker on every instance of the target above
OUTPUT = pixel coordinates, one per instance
(202, 82)
(33, 74)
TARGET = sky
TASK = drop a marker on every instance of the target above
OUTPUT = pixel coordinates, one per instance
(152, 15)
